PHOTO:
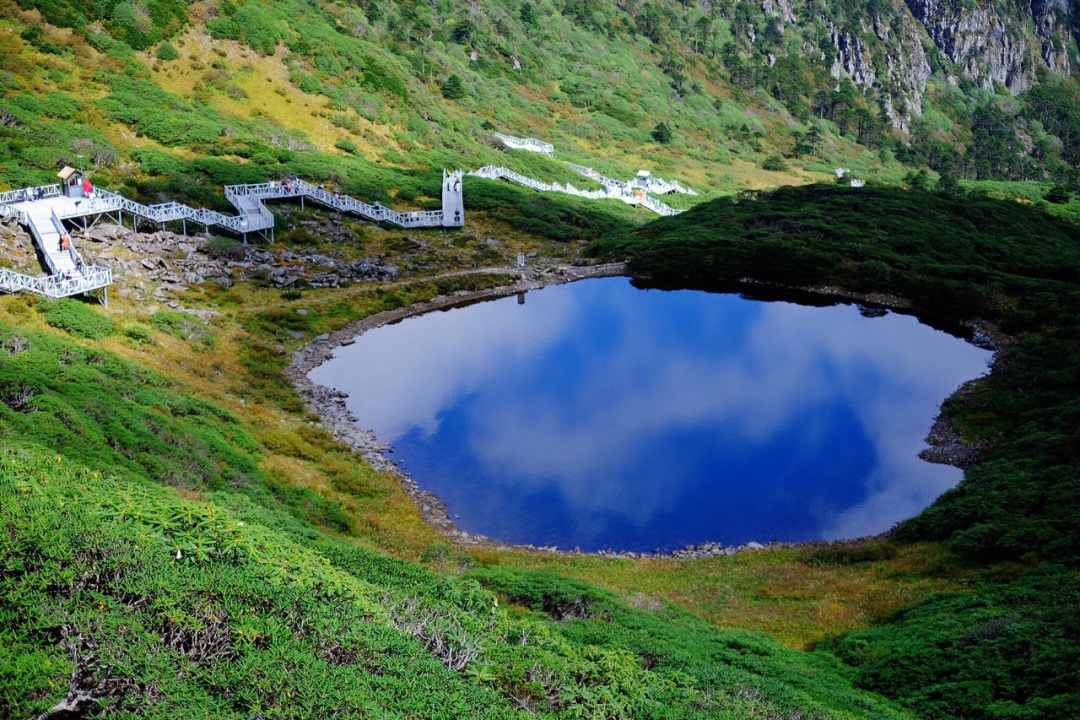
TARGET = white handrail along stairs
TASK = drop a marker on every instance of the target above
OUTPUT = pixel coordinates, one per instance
(613, 189)
(42, 210)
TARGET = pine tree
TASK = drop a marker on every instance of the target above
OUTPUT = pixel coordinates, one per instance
(947, 184)
(453, 88)
(662, 133)
(528, 14)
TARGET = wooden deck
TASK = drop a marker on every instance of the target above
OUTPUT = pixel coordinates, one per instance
(44, 216)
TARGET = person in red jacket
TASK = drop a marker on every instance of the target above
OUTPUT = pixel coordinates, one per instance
(88, 188)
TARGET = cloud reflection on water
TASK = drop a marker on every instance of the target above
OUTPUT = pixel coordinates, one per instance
(640, 409)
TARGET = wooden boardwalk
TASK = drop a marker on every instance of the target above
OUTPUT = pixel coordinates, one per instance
(613, 189)
(44, 210)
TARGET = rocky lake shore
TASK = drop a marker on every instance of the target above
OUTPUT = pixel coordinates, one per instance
(944, 444)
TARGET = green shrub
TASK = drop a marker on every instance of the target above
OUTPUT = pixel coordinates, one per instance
(78, 318)
(184, 326)
(348, 146)
(223, 28)
(36, 37)
(662, 133)
(1058, 195)
(258, 26)
(948, 184)
(139, 335)
(774, 163)
(527, 13)
(976, 542)
(167, 52)
(876, 273)
(453, 89)
(60, 105)
(225, 247)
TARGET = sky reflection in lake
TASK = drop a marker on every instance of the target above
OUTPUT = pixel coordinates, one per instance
(603, 416)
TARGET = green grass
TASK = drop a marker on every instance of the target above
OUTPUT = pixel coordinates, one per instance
(156, 605)
(76, 318)
(184, 326)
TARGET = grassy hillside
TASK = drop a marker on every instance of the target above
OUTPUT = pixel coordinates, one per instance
(174, 98)
(151, 567)
(1006, 646)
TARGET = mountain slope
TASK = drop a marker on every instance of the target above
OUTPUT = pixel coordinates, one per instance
(747, 89)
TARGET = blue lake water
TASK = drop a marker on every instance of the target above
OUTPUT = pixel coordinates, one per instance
(599, 415)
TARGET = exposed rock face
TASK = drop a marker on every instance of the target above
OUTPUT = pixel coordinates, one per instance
(991, 44)
(780, 8)
(903, 62)
(978, 42)
(853, 59)
(16, 247)
(1052, 26)
(908, 71)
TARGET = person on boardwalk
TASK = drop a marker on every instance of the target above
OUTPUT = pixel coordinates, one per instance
(88, 189)
(65, 242)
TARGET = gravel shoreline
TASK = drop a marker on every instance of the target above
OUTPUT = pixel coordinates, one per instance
(945, 445)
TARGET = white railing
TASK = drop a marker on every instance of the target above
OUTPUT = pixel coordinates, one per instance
(255, 216)
(104, 201)
(602, 179)
(650, 184)
(530, 144)
(27, 193)
(20, 216)
(56, 286)
(252, 216)
(656, 206)
(659, 186)
(59, 227)
(613, 190)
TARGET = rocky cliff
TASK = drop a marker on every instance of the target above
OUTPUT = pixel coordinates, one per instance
(891, 49)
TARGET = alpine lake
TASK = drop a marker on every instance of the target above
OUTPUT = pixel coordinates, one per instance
(600, 415)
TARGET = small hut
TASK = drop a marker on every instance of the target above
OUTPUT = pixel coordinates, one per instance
(72, 180)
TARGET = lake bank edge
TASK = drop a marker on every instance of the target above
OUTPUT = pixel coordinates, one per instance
(944, 444)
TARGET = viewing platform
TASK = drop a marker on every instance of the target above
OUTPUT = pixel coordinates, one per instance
(44, 210)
